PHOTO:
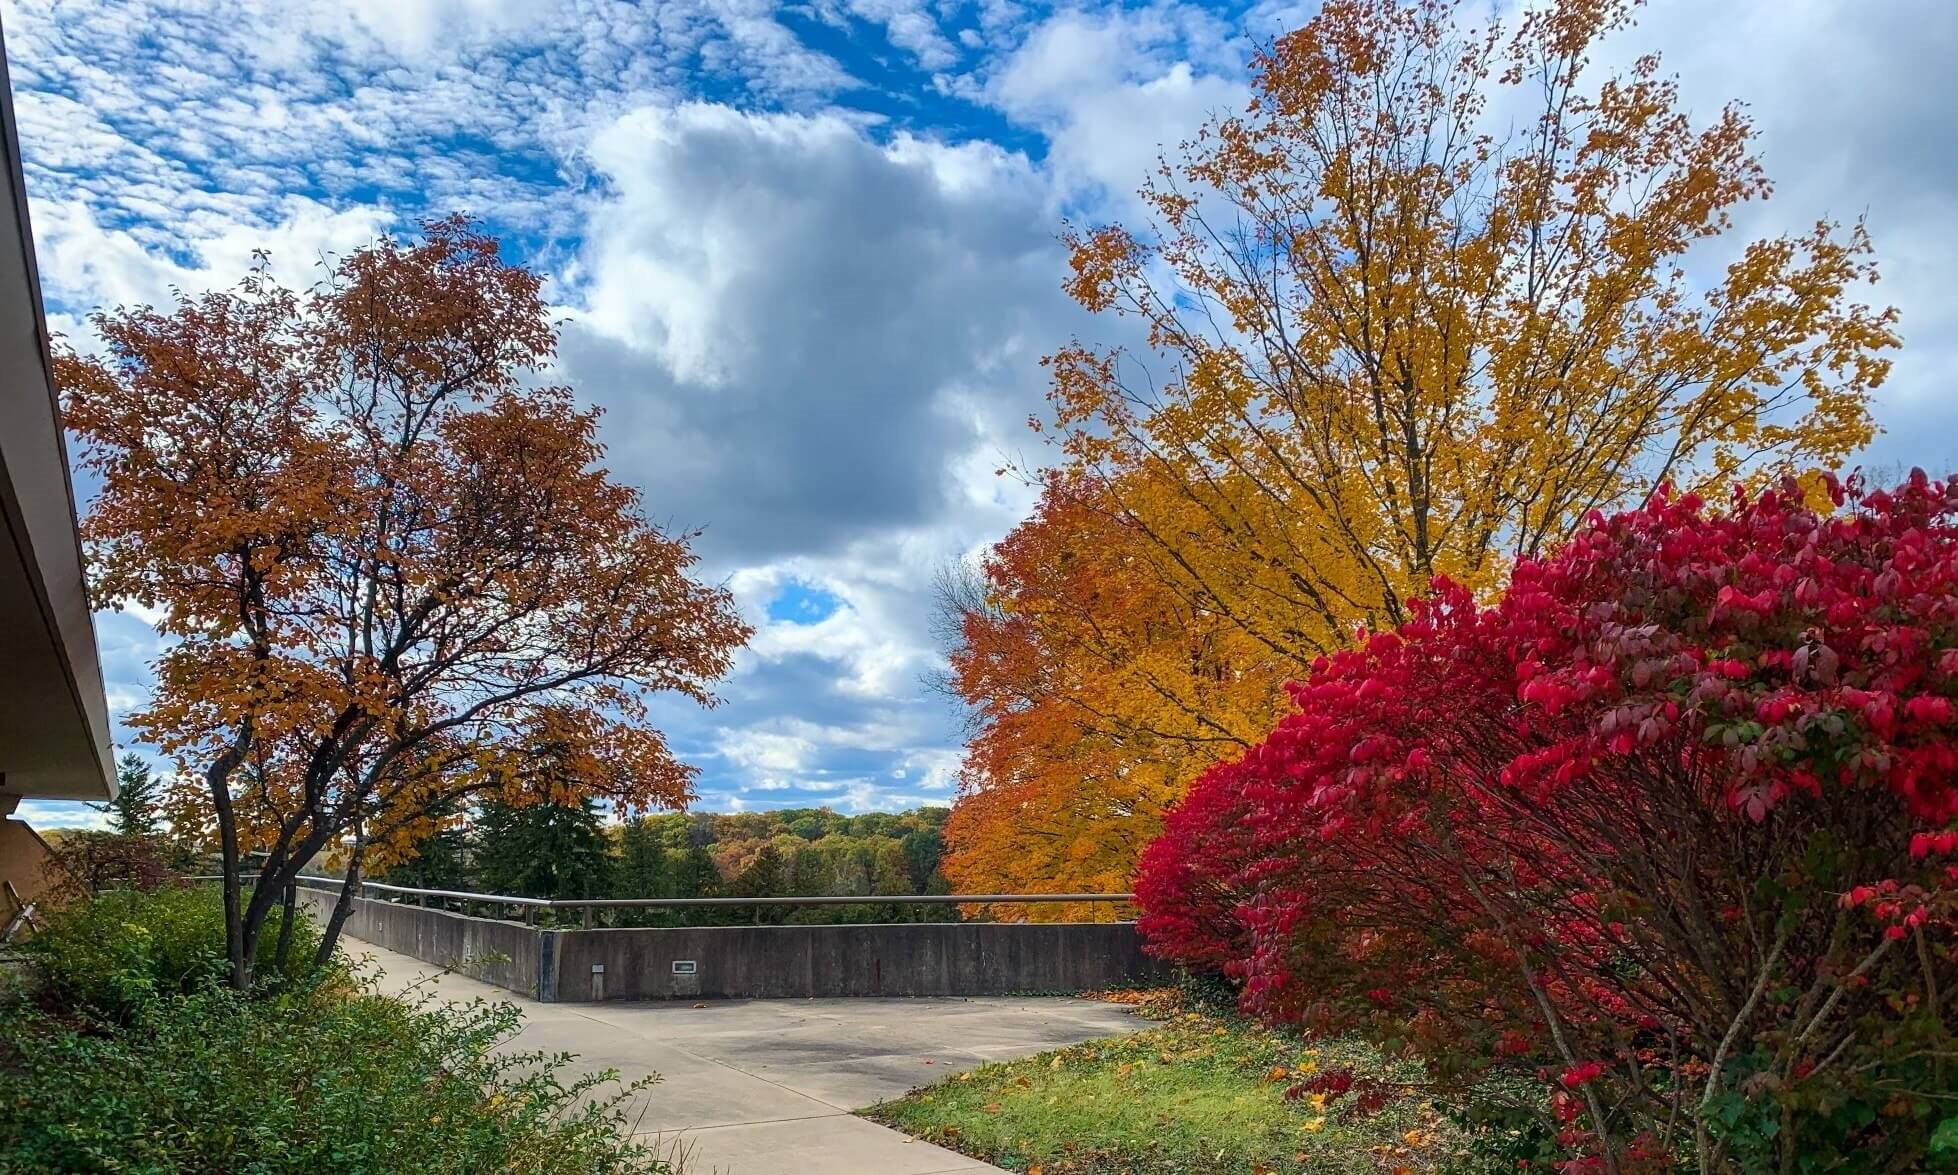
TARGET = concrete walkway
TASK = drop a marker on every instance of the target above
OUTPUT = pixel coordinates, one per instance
(765, 1087)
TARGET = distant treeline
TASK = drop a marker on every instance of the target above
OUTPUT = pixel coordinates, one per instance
(562, 852)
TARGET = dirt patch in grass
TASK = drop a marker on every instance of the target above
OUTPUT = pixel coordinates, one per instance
(1201, 1093)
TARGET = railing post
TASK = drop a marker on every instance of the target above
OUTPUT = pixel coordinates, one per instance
(587, 913)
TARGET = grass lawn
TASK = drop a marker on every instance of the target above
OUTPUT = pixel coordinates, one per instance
(1200, 1093)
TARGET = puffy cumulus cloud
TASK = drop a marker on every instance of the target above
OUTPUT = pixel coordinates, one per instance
(1851, 104)
(1853, 108)
(86, 264)
(48, 814)
(1114, 88)
(780, 759)
(773, 758)
(820, 399)
(839, 705)
(798, 331)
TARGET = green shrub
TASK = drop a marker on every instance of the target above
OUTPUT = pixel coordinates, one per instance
(313, 1079)
(113, 956)
(138, 1058)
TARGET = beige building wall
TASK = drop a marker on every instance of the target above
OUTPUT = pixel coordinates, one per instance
(24, 858)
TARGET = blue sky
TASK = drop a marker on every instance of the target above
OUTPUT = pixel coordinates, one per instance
(806, 255)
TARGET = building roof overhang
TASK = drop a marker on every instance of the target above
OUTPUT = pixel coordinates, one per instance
(54, 721)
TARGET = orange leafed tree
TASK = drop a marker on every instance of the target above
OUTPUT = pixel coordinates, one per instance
(394, 571)
(1438, 293)
(1076, 771)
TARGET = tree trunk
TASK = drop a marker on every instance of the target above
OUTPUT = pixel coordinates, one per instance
(349, 889)
(218, 779)
(287, 913)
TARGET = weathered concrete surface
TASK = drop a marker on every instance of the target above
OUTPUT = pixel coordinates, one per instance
(502, 953)
(752, 1087)
(895, 959)
(760, 962)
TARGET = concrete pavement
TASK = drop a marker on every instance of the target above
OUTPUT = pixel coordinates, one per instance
(765, 1087)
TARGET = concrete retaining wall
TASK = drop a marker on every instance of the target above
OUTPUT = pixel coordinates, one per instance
(895, 959)
(503, 953)
(907, 959)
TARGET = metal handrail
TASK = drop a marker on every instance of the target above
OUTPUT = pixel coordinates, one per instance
(928, 899)
(906, 899)
(457, 894)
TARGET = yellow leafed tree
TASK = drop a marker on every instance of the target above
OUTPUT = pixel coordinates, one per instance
(1436, 295)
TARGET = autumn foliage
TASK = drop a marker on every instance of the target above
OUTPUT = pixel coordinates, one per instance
(393, 570)
(1068, 804)
(1415, 312)
(1673, 828)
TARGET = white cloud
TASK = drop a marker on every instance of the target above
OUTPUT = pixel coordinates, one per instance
(816, 328)
(1114, 89)
(46, 814)
(1853, 108)
(796, 328)
(909, 25)
(84, 264)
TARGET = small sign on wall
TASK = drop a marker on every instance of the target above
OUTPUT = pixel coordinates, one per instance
(686, 978)
(685, 967)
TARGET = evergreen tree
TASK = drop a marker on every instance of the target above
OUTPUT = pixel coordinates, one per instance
(697, 877)
(555, 851)
(137, 809)
(643, 868)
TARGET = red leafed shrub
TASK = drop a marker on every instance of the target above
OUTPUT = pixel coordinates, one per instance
(1187, 880)
(1670, 829)
(84, 864)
